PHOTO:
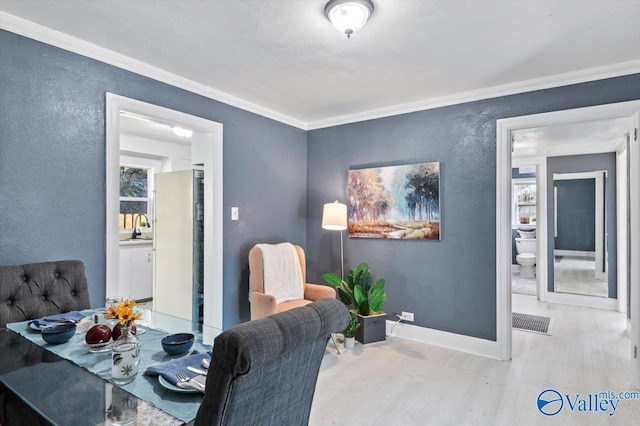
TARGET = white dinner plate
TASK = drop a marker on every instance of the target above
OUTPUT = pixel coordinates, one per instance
(43, 325)
(33, 326)
(167, 385)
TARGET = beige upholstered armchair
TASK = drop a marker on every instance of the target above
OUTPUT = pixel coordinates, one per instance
(263, 304)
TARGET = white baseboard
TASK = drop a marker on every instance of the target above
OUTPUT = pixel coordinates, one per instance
(457, 342)
(582, 300)
(576, 253)
(515, 268)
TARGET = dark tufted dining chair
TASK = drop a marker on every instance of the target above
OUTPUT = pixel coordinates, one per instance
(29, 292)
(264, 372)
(14, 411)
(39, 289)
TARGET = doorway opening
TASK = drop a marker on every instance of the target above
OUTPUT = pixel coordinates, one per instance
(505, 131)
(524, 223)
(580, 233)
(206, 152)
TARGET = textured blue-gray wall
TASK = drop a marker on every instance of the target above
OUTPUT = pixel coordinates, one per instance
(579, 164)
(450, 285)
(575, 214)
(52, 165)
(52, 180)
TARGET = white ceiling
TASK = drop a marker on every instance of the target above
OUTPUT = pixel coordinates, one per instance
(285, 59)
(152, 129)
(588, 137)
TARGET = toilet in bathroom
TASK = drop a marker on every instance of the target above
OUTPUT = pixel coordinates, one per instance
(526, 258)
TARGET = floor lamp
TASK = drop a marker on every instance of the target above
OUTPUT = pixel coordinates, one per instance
(334, 218)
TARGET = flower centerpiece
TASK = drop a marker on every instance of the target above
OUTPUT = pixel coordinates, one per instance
(126, 348)
(125, 313)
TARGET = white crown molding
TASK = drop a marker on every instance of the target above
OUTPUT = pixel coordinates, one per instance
(64, 41)
(47, 35)
(574, 77)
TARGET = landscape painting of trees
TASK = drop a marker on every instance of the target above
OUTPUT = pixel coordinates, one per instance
(395, 202)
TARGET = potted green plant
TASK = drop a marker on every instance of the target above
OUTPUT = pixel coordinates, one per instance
(350, 331)
(367, 299)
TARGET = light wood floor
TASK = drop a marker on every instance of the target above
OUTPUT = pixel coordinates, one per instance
(521, 285)
(577, 275)
(400, 382)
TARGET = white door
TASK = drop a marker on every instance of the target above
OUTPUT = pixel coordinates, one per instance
(173, 244)
(601, 227)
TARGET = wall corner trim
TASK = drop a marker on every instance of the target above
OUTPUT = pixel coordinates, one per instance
(444, 339)
(73, 44)
(548, 82)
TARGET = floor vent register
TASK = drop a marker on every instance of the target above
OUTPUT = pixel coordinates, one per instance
(531, 323)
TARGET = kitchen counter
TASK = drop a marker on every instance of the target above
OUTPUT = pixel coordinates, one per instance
(136, 242)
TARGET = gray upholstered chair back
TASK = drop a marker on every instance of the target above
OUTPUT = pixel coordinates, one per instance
(39, 289)
(264, 372)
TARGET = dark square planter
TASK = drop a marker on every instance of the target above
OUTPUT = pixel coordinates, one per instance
(372, 328)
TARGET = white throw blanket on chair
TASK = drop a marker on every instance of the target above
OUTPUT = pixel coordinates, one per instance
(282, 273)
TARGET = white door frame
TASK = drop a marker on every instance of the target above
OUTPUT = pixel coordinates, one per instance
(634, 186)
(622, 205)
(213, 213)
(504, 128)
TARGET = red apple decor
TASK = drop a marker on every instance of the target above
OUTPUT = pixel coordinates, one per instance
(99, 333)
(117, 331)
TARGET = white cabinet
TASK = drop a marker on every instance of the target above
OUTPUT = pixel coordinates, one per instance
(136, 271)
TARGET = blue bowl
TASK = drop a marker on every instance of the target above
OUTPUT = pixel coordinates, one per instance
(58, 333)
(178, 344)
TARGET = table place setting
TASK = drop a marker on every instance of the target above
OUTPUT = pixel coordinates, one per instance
(174, 363)
(186, 374)
(73, 317)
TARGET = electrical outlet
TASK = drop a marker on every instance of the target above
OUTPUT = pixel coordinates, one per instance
(234, 213)
(407, 316)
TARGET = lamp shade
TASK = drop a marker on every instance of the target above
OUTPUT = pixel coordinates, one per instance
(334, 216)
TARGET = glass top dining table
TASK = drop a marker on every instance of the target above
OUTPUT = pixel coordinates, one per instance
(68, 385)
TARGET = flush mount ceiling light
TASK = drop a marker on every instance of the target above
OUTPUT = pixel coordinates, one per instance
(183, 133)
(348, 16)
